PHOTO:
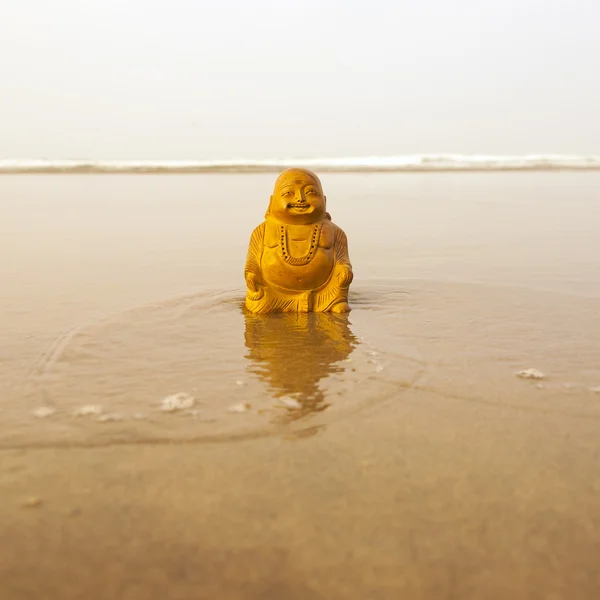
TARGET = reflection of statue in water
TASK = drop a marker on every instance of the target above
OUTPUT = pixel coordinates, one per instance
(298, 259)
(291, 353)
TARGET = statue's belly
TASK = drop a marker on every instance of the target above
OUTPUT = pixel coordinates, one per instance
(297, 277)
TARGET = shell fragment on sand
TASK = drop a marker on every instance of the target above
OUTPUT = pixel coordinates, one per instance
(180, 401)
(531, 374)
(32, 502)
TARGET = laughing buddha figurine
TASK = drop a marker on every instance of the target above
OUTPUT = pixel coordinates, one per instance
(298, 259)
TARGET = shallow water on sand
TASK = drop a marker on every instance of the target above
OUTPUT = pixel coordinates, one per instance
(104, 382)
(120, 292)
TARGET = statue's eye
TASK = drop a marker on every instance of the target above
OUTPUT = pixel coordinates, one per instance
(313, 192)
(287, 193)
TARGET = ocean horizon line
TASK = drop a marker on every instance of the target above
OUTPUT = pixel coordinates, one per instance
(398, 163)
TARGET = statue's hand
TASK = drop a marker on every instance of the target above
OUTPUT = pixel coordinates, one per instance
(344, 275)
(255, 291)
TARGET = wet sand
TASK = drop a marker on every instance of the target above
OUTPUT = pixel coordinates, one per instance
(392, 453)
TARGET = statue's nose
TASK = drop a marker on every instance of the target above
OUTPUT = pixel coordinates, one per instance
(300, 195)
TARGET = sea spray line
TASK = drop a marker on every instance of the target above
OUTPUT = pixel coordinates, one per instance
(417, 162)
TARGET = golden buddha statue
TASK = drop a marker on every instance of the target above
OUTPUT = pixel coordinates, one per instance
(298, 259)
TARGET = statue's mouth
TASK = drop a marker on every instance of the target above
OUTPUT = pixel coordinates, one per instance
(298, 206)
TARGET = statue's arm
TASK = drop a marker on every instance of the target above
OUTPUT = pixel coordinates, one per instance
(342, 258)
(341, 248)
(252, 268)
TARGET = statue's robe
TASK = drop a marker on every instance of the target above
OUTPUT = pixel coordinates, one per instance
(289, 283)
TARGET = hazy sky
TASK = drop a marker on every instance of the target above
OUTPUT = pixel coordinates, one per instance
(154, 79)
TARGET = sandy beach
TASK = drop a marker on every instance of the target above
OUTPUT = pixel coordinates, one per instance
(157, 442)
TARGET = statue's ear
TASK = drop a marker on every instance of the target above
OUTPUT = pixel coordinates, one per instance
(269, 209)
(327, 215)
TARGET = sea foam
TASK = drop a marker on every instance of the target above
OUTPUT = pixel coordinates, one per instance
(415, 162)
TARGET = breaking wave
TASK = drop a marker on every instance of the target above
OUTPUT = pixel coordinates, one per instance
(427, 162)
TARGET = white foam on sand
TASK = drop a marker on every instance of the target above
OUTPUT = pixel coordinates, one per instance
(531, 374)
(242, 407)
(43, 412)
(180, 401)
(289, 402)
(88, 410)
(109, 417)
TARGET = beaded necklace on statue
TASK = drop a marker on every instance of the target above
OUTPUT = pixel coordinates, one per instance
(301, 260)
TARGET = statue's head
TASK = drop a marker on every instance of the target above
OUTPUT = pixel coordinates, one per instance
(297, 198)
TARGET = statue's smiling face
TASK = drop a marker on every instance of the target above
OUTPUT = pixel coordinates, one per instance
(298, 198)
